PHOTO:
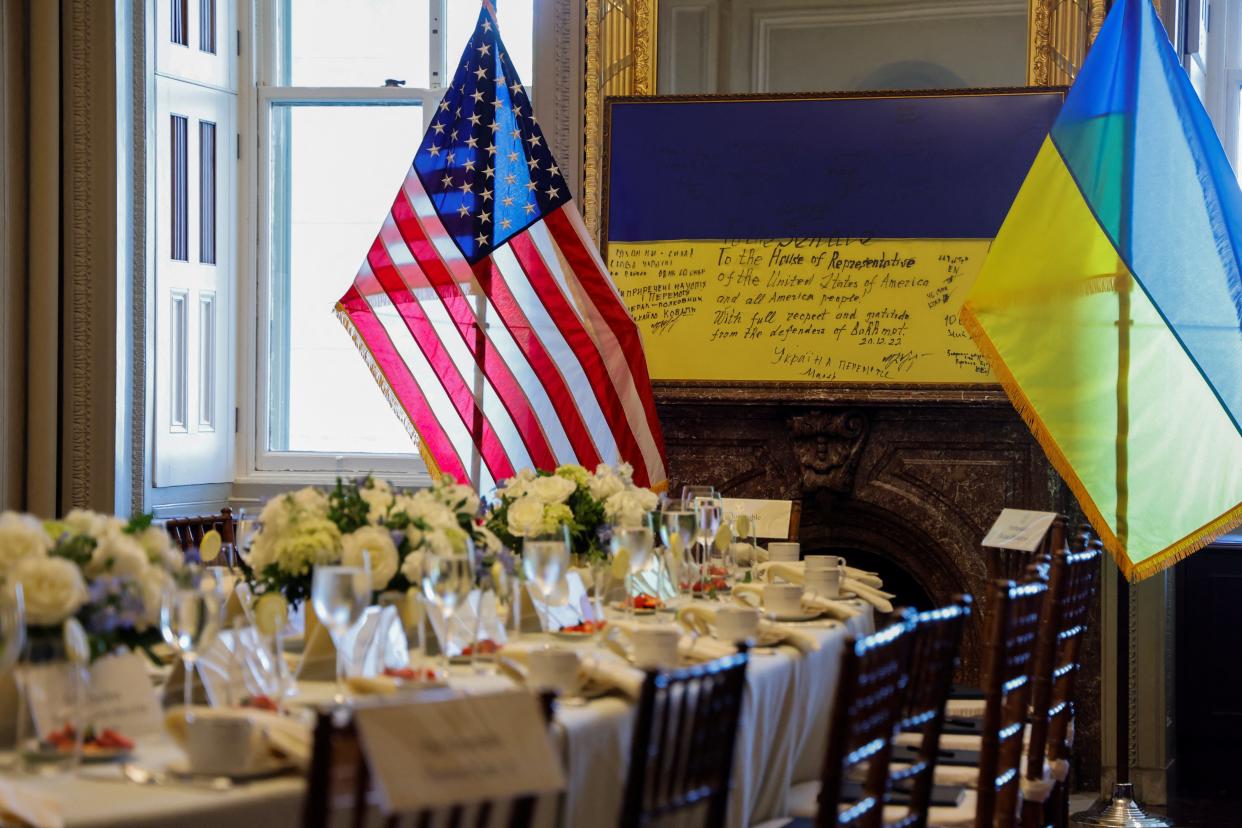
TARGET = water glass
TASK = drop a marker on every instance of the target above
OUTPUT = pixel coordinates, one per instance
(677, 530)
(339, 595)
(189, 620)
(545, 560)
(51, 680)
(636, 545)
(447, 581)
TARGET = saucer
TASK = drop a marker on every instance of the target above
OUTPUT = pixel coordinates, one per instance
(801, 615)
(271, 767)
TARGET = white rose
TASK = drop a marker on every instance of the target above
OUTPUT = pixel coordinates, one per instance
(377, 541)
(625, 510)
(424, 506)
(53, 589)
(311, 503)
(604, 486)
(21, 537)
(160, 549)
(86, 522)
(276, 515)
(412, 567)
(378, 500)
(153, 583)
(525, 516)
(117, 553)
(460, 499)
(647, 499)
(554, 489)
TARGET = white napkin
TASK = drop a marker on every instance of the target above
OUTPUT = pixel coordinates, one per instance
(375, 641)
(752, 595)
(286, 738)
(699, 618)
(568, 606)
(598, 673)
(22, 805)
(795, 573)
(691, 647)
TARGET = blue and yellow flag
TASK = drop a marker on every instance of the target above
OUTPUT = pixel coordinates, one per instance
(1110, 304)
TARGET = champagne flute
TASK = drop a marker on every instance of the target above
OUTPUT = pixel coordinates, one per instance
(707, 516)
(677, 530)
(636, 544)
(545, 560)
(189, 619)
(447, 580)
(339, 594)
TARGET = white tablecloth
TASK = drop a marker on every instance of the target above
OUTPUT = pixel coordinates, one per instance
(781, 741)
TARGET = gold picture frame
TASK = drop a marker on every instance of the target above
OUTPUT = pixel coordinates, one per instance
(621, 49)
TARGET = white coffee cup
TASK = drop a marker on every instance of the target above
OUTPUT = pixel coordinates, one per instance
(782, 599)
(655, 646)
(553, 668)
(223, 745)
(824, 562)
(784, 551)
(825, 583)
(734, 623)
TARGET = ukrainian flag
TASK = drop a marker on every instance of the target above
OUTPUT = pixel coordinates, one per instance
(1110, 304)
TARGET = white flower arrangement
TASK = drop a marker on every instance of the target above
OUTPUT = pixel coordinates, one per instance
(533, 503)
(309, 527)
(109, 573)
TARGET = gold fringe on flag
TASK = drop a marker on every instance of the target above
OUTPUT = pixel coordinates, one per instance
(1192, 542)
(398, 408)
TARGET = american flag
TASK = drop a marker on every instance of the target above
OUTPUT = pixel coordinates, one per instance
(484, 309)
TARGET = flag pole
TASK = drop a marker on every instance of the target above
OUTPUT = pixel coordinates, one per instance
(1121, 809)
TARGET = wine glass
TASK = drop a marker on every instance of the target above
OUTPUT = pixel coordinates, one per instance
(339, 594)
(495, 577)
(189, 619)
(690, 495)
(545, 559)
(677, 530)
(635, 544)
(447, 580)
(707, 516)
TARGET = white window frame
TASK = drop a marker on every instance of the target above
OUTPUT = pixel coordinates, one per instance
(256, 464)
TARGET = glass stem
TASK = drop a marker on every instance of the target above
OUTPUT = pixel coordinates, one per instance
(187, 691)
(475, 663)
(444, 645)
(340, 671)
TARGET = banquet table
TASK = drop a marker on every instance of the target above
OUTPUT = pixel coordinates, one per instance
(780, 741)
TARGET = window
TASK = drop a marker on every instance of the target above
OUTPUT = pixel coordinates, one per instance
(345, 90)
(1212, 55)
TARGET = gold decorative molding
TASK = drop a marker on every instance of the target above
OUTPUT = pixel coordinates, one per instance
(620, 60)
(621, 48)
(1060, 32)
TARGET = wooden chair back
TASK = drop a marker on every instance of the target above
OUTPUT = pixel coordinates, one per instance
(681, 757)
(1071, 586)
(1008, 663)
(339, 788)
(188, 532)
(875, 672)
(934, 659)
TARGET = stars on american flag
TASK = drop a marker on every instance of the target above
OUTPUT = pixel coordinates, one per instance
(487, 168)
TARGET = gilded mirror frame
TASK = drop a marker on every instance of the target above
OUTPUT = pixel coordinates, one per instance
(621, 60)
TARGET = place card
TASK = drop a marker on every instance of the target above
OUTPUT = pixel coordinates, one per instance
(118, 695)
(437, 753)
(121, 696)
(772, 517)
(1019, 529)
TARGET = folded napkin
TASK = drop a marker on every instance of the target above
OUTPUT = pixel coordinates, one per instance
(286, 738)
(22, 805)
(752, 595)
(795, 573)
(691, 647)
(599, 675)
(700, 618)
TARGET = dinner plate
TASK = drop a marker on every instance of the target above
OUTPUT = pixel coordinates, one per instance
(575, 636)
(273, 767)
(90, 756)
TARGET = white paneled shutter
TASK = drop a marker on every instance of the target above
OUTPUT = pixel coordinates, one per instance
(196, 147)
